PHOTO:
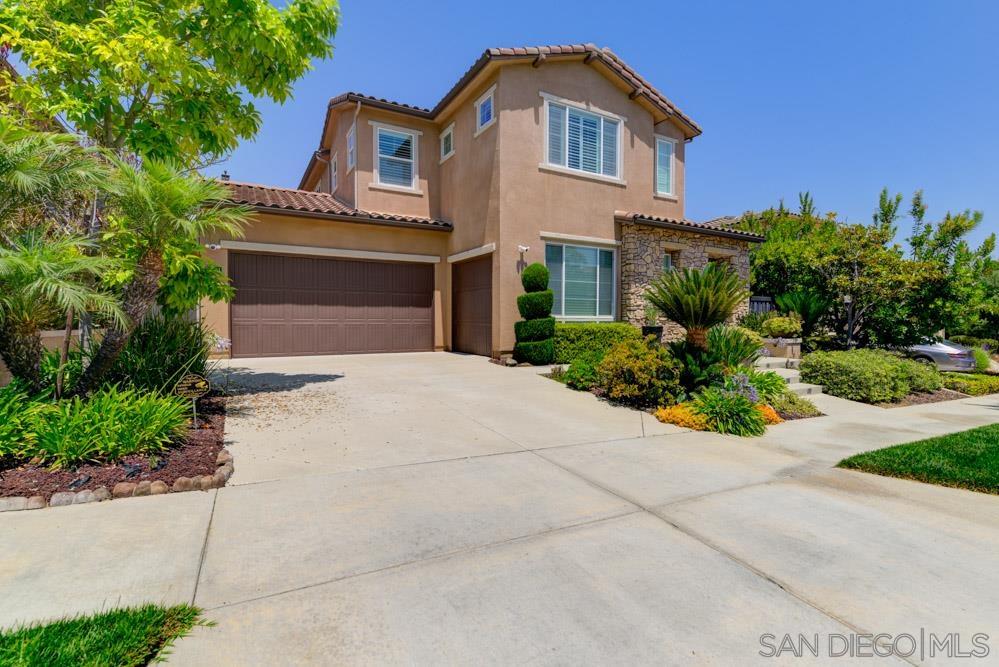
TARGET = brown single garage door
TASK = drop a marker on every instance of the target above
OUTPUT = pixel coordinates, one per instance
(471, 296)
(292, 305)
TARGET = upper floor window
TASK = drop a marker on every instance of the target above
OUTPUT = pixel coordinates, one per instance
(485, 113)
(665, 148)
(334, 176)
(583, 281)
(582, 140)
(351, 148)
(447, 142)
(395, 158)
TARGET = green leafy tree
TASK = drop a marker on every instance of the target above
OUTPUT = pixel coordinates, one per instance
(41, 277)
(168, 79)
(156, 210)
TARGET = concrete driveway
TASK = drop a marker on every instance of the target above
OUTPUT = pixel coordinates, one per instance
(436, 508)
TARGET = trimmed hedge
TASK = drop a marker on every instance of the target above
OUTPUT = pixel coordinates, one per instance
(535, 305)
(528, 331)
(869, 376)
(973, 384)
(974, 341)
(536, 353)
(575, 339)
(782, 327)
(535, 278)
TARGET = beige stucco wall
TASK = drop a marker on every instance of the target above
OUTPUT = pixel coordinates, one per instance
(535, 200)
(322, 233)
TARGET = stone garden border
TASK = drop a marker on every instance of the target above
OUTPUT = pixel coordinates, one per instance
(223, 471)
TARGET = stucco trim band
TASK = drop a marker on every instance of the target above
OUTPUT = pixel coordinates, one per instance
(470, 253)
(329, 252)
(587, 240)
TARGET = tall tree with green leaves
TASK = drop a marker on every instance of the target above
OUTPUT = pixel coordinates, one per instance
(170, 79)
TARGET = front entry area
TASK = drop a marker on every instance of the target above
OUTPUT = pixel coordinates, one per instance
(290, 305)
(472, 306)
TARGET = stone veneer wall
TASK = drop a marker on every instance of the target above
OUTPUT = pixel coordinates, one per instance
(642, 251)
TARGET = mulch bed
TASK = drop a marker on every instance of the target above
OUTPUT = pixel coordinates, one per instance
(938, 396)
(195, 456)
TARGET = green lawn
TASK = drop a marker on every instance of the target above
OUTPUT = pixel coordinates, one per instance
(132, 636)
(969, 460)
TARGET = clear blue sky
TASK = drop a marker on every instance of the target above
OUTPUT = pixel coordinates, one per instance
(839, 98)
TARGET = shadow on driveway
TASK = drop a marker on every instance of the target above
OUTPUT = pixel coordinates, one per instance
(239, 381)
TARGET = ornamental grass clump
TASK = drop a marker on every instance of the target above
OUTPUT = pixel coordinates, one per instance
(729, 412)
(536, 333)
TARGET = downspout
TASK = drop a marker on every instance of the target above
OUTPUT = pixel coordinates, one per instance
(357, 112)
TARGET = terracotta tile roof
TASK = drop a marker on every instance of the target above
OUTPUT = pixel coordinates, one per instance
(640, 86)
(266, 197)
(725, 221)
(681, 225)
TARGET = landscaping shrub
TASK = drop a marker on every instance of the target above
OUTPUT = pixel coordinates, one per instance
(753, 336)
(575, 339)
(16, 414)
(920, 377)
(768, 384)
(754, 321)
(535, 352)
(982, 360)
(733, 346)
(535, 305)
(770, 415)
(973, 341)
(639, 373)
(682, 415)
(698, 368)
(535, 278)
(536, 334)
(789, 405)
(532, 330)
(973, 384)
(869, 376)
(109, 425)
(729, 412)
(582, 373)
(160, 352)
(782, 327)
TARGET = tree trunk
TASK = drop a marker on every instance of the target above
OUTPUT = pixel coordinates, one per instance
(698, 337)
(21, 350)
(64, 353)
(138, 299)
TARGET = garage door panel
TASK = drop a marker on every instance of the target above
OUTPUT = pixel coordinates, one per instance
(471, 294)
(291, 305)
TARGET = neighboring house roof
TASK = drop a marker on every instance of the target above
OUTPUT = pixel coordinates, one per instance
(320, 204)
(639, 85)
(724, 222)
(687, 226)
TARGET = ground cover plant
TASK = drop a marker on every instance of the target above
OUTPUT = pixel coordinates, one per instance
(120, 638)
(973, 384)
(968, 460)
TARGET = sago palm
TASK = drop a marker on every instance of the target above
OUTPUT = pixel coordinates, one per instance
(697, 299)
(42, 276)
(153, 208)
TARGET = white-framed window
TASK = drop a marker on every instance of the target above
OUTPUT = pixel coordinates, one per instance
(665, 151)
(584, 281)
(447, 142)
(582, 140)
(485, 112)
(396, 157)
(351, 147)
(334, 175)
(670, 261)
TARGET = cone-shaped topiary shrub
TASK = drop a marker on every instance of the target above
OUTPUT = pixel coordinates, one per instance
(536, 333)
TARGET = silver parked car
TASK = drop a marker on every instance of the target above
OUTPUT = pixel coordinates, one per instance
(946, 355)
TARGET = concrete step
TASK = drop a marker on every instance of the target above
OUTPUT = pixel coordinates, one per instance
(805, 389)
(771, 363)
(790, 375)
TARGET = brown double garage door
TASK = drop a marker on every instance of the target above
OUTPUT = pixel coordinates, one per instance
(294, 305)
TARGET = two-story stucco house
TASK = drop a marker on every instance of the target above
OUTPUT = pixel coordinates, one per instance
(410, 226)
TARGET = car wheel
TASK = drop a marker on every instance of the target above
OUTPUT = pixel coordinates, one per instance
(923, 360)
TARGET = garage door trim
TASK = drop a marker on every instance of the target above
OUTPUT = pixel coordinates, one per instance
(343, 253)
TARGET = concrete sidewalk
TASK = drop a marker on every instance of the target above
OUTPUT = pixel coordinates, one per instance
(435, 508)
